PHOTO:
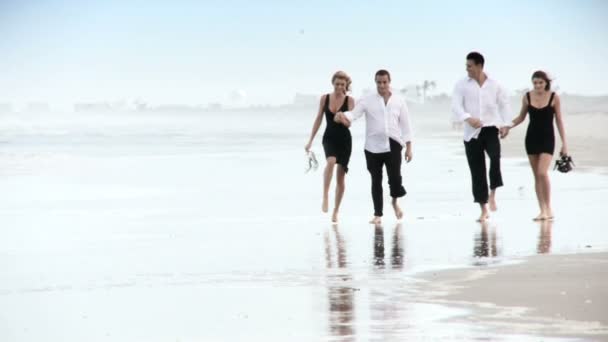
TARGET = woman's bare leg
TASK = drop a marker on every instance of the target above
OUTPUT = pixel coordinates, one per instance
(327, 174)
(340, 187)
(534, 160)
(543, 171)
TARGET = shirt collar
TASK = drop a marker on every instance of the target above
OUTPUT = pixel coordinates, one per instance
(392, 90)
(488, 77)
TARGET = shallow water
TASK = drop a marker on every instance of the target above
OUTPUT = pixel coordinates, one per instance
(204, 227)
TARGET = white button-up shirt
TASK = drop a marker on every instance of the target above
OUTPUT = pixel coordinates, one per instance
(383, 121)
(489, 103)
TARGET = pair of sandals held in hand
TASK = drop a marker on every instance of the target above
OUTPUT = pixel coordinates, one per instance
(565, 164)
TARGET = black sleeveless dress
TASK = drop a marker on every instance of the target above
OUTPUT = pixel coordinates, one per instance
(337, 141)
(540, 137)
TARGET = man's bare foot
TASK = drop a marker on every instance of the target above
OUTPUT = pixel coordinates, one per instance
(325, 205)
(483, 218)
(484, 214)
(398, 211)
(492, 201)
(334, 217)
(377, 220)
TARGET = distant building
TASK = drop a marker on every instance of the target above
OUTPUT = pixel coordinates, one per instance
(214, 106)
(176, 108)
(367, 91)
(305, 100)
(92, 107)
(37, 107)
(442, 98)
(6, 108)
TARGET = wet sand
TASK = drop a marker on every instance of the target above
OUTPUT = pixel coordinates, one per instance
(546, 295)
(134, 217)
(555, 295)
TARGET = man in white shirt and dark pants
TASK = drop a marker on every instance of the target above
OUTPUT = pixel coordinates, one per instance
(387, 131)
(483, 106)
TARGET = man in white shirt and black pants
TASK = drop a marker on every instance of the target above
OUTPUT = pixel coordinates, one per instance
(387, 131)
(482, 105)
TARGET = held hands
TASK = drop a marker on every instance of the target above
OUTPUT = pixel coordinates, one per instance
(338, 117)
(474, 122)
(563, 151)
(307, 146)
(341, 119)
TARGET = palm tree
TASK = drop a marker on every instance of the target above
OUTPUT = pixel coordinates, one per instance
(426, 86)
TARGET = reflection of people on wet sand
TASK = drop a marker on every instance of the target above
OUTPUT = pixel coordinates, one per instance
(337, 141)
(485, 242)
(341, 297)
(379, 247)
(396, 250)
(387, 305)
(544, 237)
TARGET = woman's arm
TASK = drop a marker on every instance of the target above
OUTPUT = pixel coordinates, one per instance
(316, 124)
(351, 103)
(351, 106)
(346, 118)
(522, 113)
(560, 124)
(504, 131)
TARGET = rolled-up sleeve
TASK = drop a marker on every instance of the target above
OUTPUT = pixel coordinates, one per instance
(458, 112)
(404, 123)
(356, 112)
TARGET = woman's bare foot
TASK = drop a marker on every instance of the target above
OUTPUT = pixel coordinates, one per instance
(492, 201)
(377, 220)
(549, 214)
(325, 205)
(398, 211)
(334, 217)
(540, 217)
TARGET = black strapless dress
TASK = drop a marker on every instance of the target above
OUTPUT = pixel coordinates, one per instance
(540, 136)
(337, 141)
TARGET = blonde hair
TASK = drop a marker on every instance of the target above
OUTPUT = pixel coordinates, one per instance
(343, 76)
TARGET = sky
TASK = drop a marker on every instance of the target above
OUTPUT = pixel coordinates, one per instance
(263, 52)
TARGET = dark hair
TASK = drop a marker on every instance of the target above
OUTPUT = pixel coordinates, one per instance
(383, 72)
(476, 57)
(542, 75)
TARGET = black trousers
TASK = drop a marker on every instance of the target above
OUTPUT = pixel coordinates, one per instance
(489, 143)
(392, 161)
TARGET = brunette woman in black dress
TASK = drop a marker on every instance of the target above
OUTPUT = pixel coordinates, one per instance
(544, 107)
(337, 141)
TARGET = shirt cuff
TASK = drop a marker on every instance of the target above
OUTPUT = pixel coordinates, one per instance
(349, 116)
(465, 116)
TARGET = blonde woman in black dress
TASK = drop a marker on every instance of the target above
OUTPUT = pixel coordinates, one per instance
(544, 107)
(337, 141)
